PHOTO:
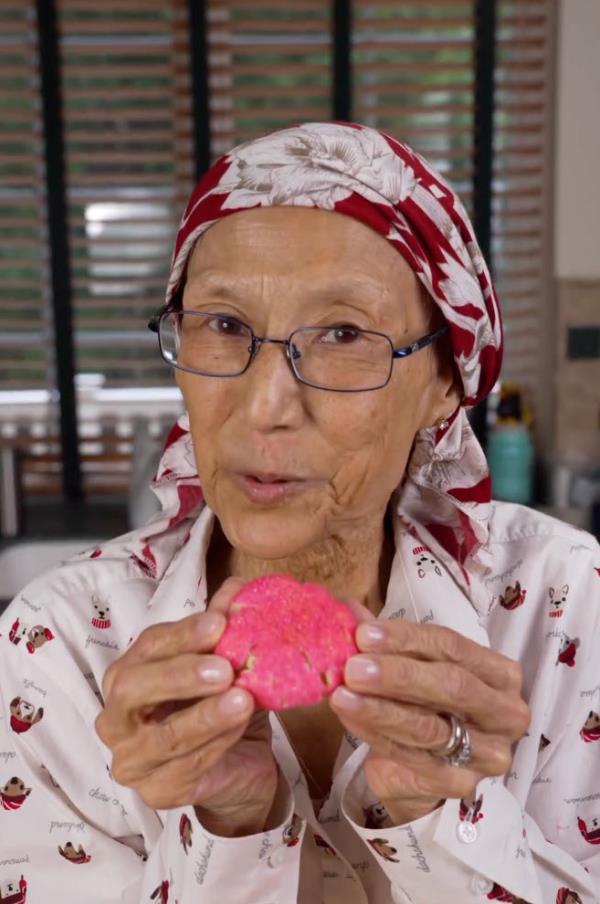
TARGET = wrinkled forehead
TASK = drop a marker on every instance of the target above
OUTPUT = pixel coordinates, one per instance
(307, 257)
(291, 241)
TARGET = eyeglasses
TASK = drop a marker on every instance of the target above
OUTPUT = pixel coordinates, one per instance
(338, 358)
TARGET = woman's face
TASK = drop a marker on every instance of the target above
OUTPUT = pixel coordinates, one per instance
(343, 454)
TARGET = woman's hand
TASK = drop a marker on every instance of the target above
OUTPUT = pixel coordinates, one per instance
(180, 734)
(393, 698)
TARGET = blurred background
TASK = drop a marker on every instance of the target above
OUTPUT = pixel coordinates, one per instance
(111, 109)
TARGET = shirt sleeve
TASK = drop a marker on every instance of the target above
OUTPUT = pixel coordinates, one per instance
(540, 844)
(68, 831)
(505, 858)
(262, 868)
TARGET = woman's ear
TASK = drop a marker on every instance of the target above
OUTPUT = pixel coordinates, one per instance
(446, 390)
(452, 387)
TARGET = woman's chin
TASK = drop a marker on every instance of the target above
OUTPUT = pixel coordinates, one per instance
(270, 535)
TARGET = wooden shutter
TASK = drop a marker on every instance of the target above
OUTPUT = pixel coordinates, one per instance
(25, 341)
(413, 77)
(269, 67)
(522, 221)
(129, 168)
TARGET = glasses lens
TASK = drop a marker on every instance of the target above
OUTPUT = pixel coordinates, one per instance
(211, 344)
(342, 357)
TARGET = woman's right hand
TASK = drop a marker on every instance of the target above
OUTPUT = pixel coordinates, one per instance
(180, 734)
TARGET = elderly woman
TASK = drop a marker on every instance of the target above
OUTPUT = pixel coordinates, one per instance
(329, 317)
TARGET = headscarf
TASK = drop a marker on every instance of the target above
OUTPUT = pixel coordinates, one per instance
(363, 173)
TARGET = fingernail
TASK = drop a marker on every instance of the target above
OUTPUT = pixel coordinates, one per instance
(370, 636)
(210, 623)
(233, 703)
(361, 668)
(345, 699)
(215, 672)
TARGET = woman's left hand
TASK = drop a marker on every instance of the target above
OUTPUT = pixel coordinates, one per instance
(393, 699)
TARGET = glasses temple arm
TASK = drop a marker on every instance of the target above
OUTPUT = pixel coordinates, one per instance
(420, 343)
(155, 319)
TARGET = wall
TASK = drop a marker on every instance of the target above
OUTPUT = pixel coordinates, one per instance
(577, 175)
(577, 226)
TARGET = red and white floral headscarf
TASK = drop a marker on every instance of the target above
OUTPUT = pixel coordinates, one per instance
(376, 179)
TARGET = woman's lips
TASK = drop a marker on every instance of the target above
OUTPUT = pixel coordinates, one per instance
(266, 489)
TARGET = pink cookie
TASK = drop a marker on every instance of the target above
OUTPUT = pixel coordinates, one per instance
(287, 642)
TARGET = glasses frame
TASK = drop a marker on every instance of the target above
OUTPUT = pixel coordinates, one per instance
(256, 342)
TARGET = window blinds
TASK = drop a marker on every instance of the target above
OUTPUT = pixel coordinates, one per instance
(521, 187)
(413, 77)
(129, 169)
(269, 66)
(25, 340)
(128, 126)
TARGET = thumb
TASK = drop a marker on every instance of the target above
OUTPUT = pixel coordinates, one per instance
(221, 600)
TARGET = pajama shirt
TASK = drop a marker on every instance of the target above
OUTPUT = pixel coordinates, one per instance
(69, 833)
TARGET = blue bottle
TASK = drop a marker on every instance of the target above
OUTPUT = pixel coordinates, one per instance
(510, 452)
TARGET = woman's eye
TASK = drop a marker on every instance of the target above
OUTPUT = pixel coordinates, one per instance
(342, 335)
(226, 326)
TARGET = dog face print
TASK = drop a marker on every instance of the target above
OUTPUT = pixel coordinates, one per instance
(513, 597)
(425, 563)
(590, 830)
(567, 651)
(73, 854)
(13, 891)
(375, 817)
(14, 794)
(101, 615)
(290, 837)
(37, 637)
(591, 727)
(34, 637)
(160, 895)
(470, 809)
(23, 715)
(384, 849)
(557, 600)
(498, 893)
(567, 896)
(185, 832)
(291, 833)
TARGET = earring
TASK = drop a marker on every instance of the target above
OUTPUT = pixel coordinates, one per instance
(442, 423)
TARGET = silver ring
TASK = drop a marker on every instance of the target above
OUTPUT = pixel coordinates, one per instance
(462, 757)
(457, 751)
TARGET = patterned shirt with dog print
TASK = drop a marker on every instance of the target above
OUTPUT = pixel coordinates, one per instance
(531, 836)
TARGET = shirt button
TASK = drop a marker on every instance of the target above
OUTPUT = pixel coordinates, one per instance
(480, 885)
(277, 857)
(466, 832)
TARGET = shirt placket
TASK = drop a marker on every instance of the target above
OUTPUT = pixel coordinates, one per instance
(341, 883)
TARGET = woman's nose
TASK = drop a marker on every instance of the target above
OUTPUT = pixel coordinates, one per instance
(273, 396)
